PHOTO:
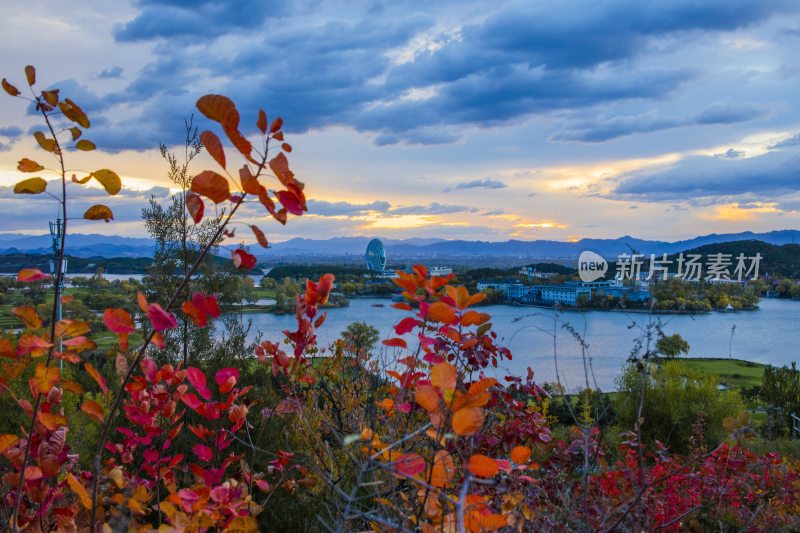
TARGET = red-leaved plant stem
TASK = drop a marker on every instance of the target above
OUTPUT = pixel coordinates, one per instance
(101, 444)
(57, 295)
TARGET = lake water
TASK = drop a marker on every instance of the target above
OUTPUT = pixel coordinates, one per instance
(767, 335)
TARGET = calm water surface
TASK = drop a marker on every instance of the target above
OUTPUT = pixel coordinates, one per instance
(768, 335)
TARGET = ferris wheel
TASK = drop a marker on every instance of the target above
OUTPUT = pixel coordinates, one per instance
(375, 256)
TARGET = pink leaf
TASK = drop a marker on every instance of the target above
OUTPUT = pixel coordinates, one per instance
(203, 452)
(198, 379)
(160, 319)
(226, 378)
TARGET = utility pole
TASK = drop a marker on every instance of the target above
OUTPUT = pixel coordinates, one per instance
(56, 233)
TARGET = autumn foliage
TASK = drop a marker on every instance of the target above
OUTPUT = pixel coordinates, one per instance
(421, 437)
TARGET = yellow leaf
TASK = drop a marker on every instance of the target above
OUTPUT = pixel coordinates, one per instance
(98, 212)
(46, 143)
(7, 440)
(85, 145)
(80, 490)
(109, 179)
(30, 186)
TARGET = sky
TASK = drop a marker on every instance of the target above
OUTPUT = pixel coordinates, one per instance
(553, 119)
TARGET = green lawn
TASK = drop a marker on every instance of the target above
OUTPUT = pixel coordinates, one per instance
(731, 372)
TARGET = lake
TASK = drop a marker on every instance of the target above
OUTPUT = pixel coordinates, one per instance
(767, 335)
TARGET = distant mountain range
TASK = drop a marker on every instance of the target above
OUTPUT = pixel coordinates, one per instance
(399, 250)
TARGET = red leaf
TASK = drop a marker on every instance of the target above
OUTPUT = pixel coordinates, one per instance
(214, 146)
(409, 464)
(195, 206)
(406, 325)
(118, 321)
(160, 319)
(198, 379)
(277, 124)
(211, 185)
(242, 259)
(290, 201)
(261, 124)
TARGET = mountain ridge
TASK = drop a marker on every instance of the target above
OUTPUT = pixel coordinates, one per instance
(93, 245)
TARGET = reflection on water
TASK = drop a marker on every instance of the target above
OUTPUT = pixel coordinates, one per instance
(768, 335)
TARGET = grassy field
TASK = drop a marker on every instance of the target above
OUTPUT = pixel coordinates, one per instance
(731, 372)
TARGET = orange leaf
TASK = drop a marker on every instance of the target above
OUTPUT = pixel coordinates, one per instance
(30, 274)
(286, 147)
(262, 239)
(30, 74)
(71, 328)
(474, 318)
(250, 183)
(426, 396)
(26, 165)
(261, 124)
(443, 469)
(395, 343)
(521, 454)
(28, 315)
(72, 386)
(441, 312)
(92, 371)
(211, 185)
(7, 440)
(141, 299)
(214, 146)
(280, 166)
(52, 421)
(215, 106)
(94, 410)
(468, 421)
(238, 140)
(482, 385)
(7, 349)
(80, 491)
(482, 466)
(10, 89)
(444, 376)
(46, 377)
(277, 124)
(31, 344)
